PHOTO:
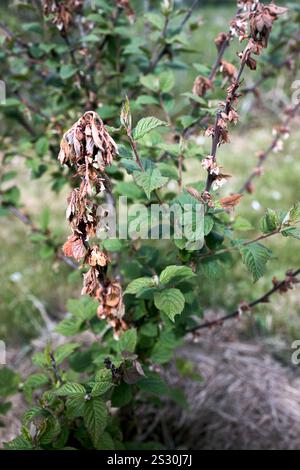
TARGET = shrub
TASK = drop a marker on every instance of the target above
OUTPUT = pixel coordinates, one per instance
(131, 134)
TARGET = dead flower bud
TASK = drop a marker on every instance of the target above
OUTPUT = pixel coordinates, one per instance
(194, 193)
(228, 70)
(250, 188)
(278, 147)
(88, 142)
(220, 40)
(91, 285)
(219, 181)
(62, 12)
(209, 131)
(243, 307)
(258, 171)
(201, 86)
(207, 162)
(74, 247)
(288, 284)
(261, 21)
(96, 257)
(230, 202)
(238, 28)
(125, 4)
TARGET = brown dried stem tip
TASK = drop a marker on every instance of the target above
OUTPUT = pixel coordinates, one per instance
(261, 18)
(89, 148)
(62, 12)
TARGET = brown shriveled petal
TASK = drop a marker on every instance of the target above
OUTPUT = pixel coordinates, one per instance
(230, 202)
(111, 307)
(228, 69)
(96, 257)
(74, 247)
(62, 11)
(261, 21)
(220, 40)
(201, 86)
(250, 188)
(91, 285)
(87, 143)
(125, 4)
(194, 193)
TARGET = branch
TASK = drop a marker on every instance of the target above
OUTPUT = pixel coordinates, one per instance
(264, 155)
(159, 53)
(217, 129)
(282, 286)
(27, 221)
(245, 243)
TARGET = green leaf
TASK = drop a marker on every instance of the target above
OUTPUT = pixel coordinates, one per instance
(149, 180)
(122, 395)
(103, 382)
(166, 81)
(95, 418)
(75, 406)
(127, 341)
(211, 268)
(19, 443)
(64, 351)
(36, 380)
(105, 442)
(42, 146)
(208, 224)
(168, 170)
(169, 301)
(175, 273)
(69, 326)
(153, 384)
(242, 224)
(128, 189)
(156, 20)
(291, 232)
(9, 382)
(146, 125)
(100, 388)
(293, 214)
(45, 219)
(137, 285)
(150, 81)
(270, 222)
(67, 71)
(164, 348)
(255, 256)
(84, 308)
(146, 99)
(12, 196)
(71, 389)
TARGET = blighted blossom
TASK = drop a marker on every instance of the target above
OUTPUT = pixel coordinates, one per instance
(62, 12)
(88, 147)
(201, 86)
(88, 139)
(125, 4)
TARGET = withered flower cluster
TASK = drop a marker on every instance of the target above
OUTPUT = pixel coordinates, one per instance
(62, 11)
(261, 18)
(90, 149)
(201, 86)
(289, 282)
(238, 27)
(125, 4)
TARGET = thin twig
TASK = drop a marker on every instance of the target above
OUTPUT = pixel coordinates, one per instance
(27, 221)
(263, 299)
(264, 155)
